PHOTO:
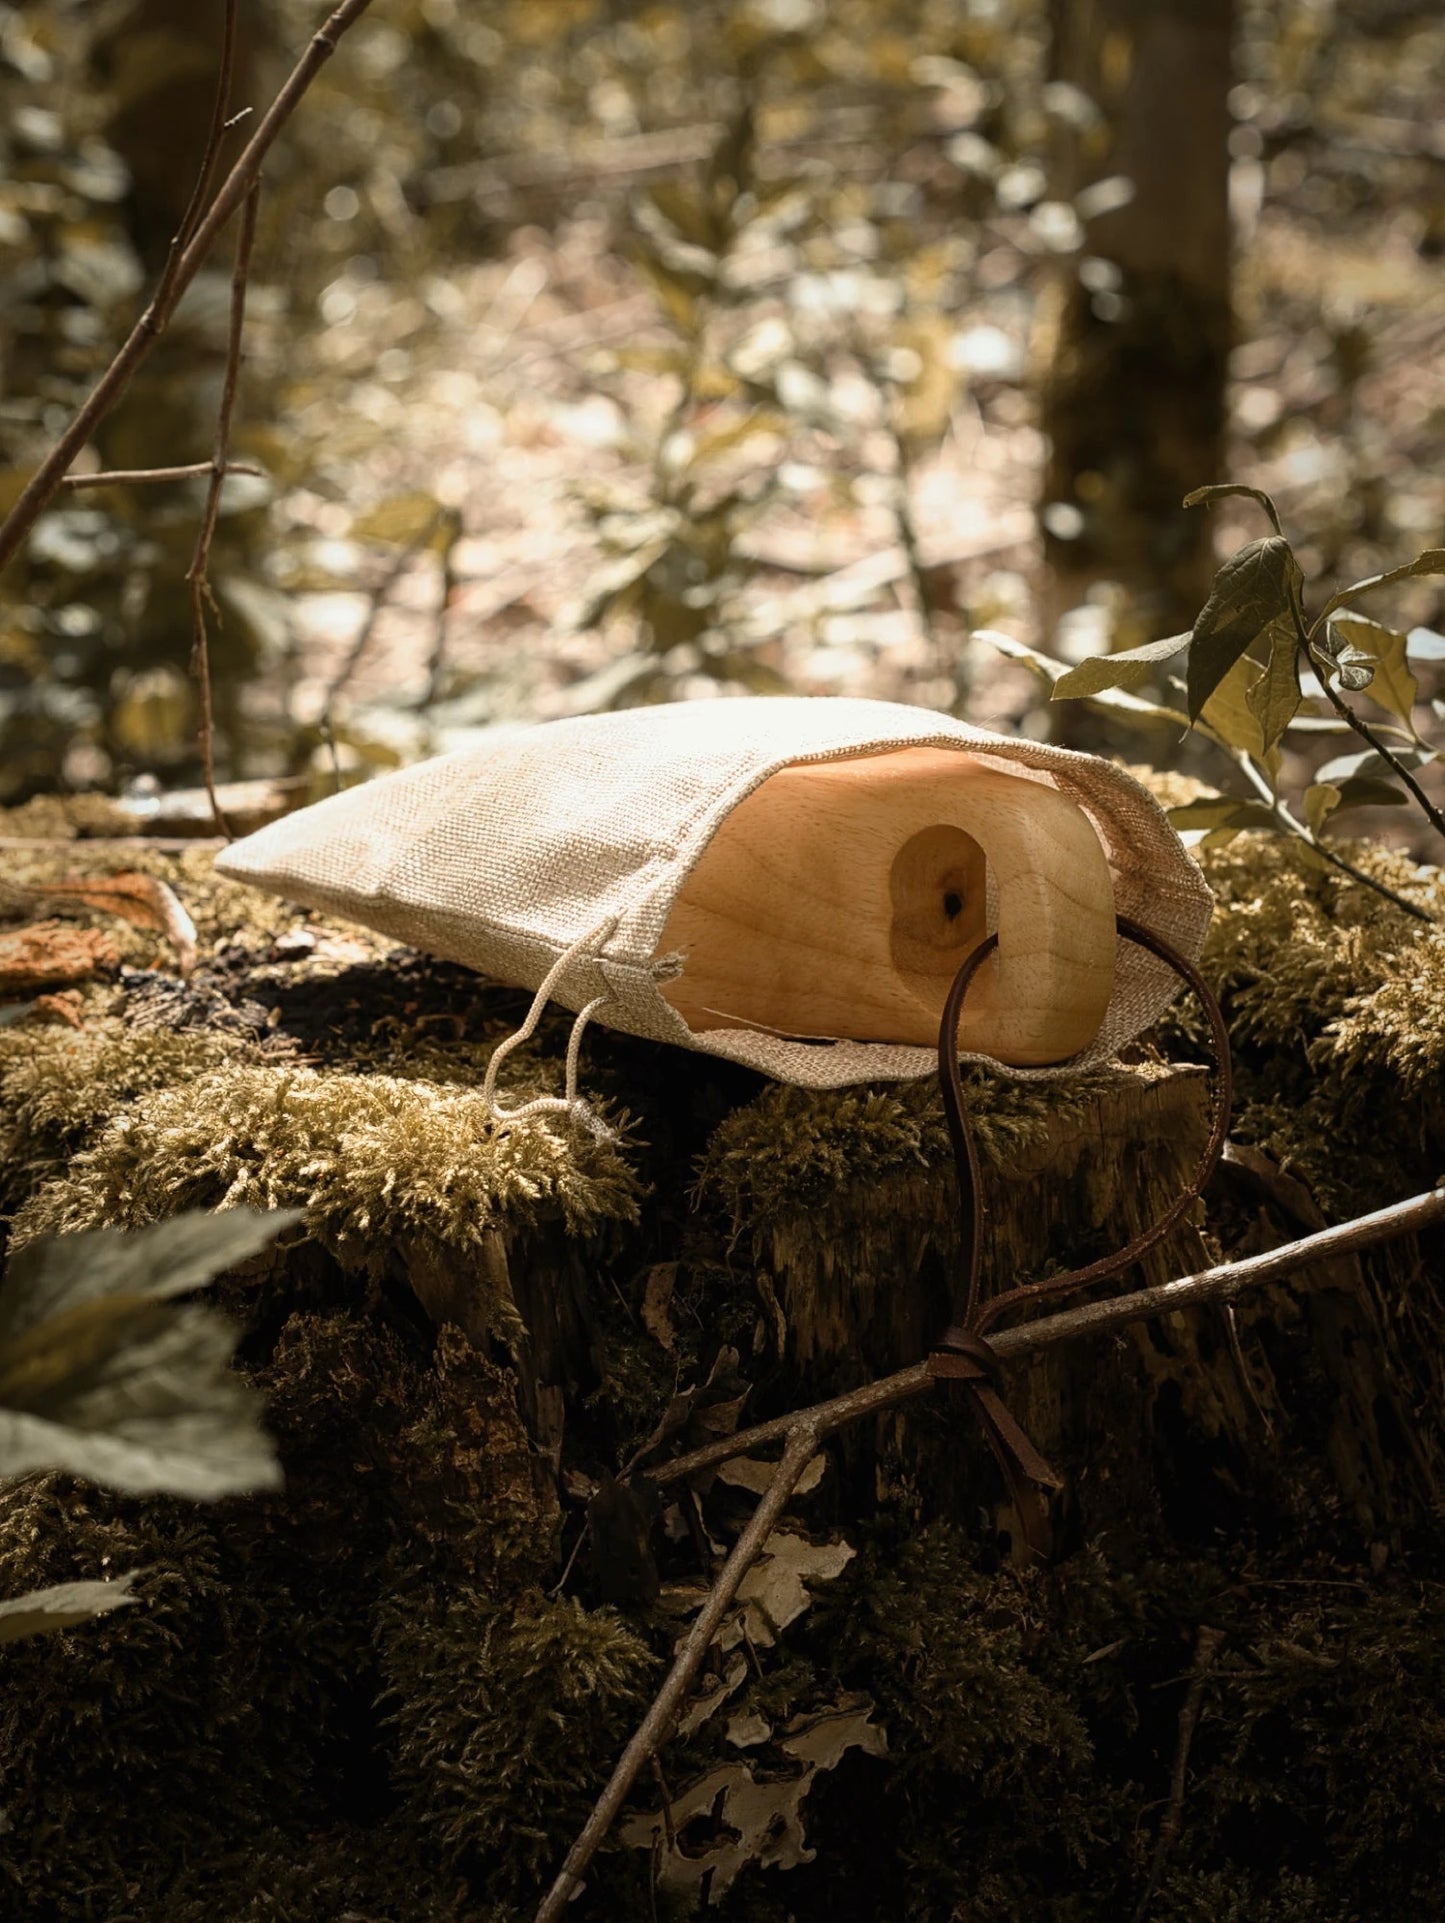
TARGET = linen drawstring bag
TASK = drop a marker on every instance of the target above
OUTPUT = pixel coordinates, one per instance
(549, 857)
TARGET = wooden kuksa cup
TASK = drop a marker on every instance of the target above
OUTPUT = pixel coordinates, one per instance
(839, 899)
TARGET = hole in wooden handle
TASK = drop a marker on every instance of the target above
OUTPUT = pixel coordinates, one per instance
(839, 898)
(938, 886)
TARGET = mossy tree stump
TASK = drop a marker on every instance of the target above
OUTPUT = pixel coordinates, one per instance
(383, 1691)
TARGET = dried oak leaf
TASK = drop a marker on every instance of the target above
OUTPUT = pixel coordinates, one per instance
(142, 900)
(746, 1812)
(51, 954)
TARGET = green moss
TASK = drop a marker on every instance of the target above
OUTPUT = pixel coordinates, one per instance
(792, 1149)
(1336, 1006)
(506, 1721)
(60, 1086)
(379, 1163)
(1236, 1895)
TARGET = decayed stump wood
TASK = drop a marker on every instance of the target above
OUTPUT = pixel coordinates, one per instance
(864, 1285)
(1164, 1426)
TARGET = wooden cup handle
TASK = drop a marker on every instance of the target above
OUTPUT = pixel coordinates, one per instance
(839, 898)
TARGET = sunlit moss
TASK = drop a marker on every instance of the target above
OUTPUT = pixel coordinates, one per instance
(793, 1148)
(1336, 1005)
(377, 1162)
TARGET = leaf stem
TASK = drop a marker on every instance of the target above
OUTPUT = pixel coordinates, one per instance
(1366, 733)
(1294, 826)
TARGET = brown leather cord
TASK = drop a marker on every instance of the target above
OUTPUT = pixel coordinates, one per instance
(964, 1353)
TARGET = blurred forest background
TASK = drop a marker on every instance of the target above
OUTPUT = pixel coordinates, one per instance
(602, 352)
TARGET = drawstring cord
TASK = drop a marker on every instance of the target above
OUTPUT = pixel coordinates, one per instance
(964, 1353)
(570, 1102)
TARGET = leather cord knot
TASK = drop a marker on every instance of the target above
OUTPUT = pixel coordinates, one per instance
(964, 1354)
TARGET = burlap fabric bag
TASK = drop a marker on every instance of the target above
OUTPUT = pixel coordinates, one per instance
(551, 856)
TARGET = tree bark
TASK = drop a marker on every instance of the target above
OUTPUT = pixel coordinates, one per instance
(1134, 403)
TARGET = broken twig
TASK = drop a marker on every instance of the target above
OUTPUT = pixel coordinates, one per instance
(156, 476)
(660, 1719)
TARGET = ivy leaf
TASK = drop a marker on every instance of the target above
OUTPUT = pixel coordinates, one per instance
(1131, 668)
(60, 1272)
(1044, 666)
(1254, 598)
(1202, 496)
(1353, 668)
(1432, 561)
(1328, 798)
(1386, 650)
(1051, 671)
(1320, 802)
(41, 1611)
(1370, 764)
(1363, 791)
(1274, 698)
(1212, 812)
(103, 1376)
(1423, 644)
(136, 1395)
(1229, 716)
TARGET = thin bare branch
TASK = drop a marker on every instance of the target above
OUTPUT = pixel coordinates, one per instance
(197, 575)
(155, 476)
(168, 291)
(802, 1431)
(1291, 824)
(45, 482)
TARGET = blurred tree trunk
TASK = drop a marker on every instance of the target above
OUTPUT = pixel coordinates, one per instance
(156, 64)
(1134, 395)
(157, 61)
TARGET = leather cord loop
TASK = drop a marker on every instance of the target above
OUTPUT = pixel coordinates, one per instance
(964, 1354)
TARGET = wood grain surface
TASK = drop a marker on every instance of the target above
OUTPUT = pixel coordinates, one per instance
(839, 898)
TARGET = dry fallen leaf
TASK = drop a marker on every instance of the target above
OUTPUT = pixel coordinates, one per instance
(661, 1281)
(51, 954)
(746, 1472)
(58, 1010)
(706, 1705)
(142, 900)
(731, 1817)
(775, 1591)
